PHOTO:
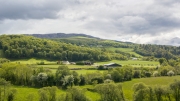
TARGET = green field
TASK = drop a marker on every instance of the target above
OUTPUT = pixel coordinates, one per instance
(126, 50)
(52, 65)
(134, 63)
(23, 92)
(153, 81)
(34, 61)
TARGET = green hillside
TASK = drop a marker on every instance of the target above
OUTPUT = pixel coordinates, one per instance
(22, 46)
(137, 50)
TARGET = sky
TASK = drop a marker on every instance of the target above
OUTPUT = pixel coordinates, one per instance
(138, 21)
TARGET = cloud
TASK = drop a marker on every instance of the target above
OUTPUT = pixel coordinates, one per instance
(33, 9)
(141, 21)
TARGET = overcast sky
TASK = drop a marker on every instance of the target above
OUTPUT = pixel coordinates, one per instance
(139, 21)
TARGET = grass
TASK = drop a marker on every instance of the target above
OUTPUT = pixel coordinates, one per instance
(88, 71)
(134, 63)
(23, 92)
(126, 50)
(153, 81)
(34, 61)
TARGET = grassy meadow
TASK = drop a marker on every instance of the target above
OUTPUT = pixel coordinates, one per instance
(134, 63)
(153, 81)
(83, 69)
(126, 50)
(24, 92)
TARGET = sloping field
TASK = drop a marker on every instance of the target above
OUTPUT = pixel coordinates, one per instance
(126, 50)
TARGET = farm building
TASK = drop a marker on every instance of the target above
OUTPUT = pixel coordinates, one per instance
(65, 62)
(134, 58)
(112, 65)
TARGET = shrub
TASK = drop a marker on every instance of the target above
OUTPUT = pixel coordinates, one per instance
(170, 73)
(156, 74)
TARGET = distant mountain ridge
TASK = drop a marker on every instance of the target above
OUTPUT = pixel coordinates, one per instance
(61, 35)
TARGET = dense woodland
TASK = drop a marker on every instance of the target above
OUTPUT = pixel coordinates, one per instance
(21, 46)
(77, 49)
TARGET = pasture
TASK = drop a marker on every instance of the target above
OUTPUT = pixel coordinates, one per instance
(126, 50)
(83, 69)
(27, 93)
(24, 92)
(134, 63)
(153, 81)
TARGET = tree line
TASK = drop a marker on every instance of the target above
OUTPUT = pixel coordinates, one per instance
(158, 51)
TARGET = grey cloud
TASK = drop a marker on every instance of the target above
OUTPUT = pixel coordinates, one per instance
(149, 19)
(102, 17)
(33, 9)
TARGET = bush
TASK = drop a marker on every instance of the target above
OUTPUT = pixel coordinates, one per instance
(170, 73)
(40, 63)
(137, 74)
(101, 67)
(148, 74)
(156, 74)
(79, 63)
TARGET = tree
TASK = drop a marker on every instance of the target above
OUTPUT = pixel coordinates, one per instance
(43, 95)
(75, 94)
(11, 95)
(163, 61)
(60, 73)
(82, 80)
(163, 70)
(47, 93)
(4, 88)
(110, 92)
(141, 92)
(170, 73)
(42, 79)
(137, 74)
(76, 78)
(175, 87)
(68, 80)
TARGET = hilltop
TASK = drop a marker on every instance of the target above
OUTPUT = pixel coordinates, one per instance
(60, 35)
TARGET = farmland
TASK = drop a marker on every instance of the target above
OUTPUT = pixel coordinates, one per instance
(22, 93)
(83, 69)
(35, 67)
